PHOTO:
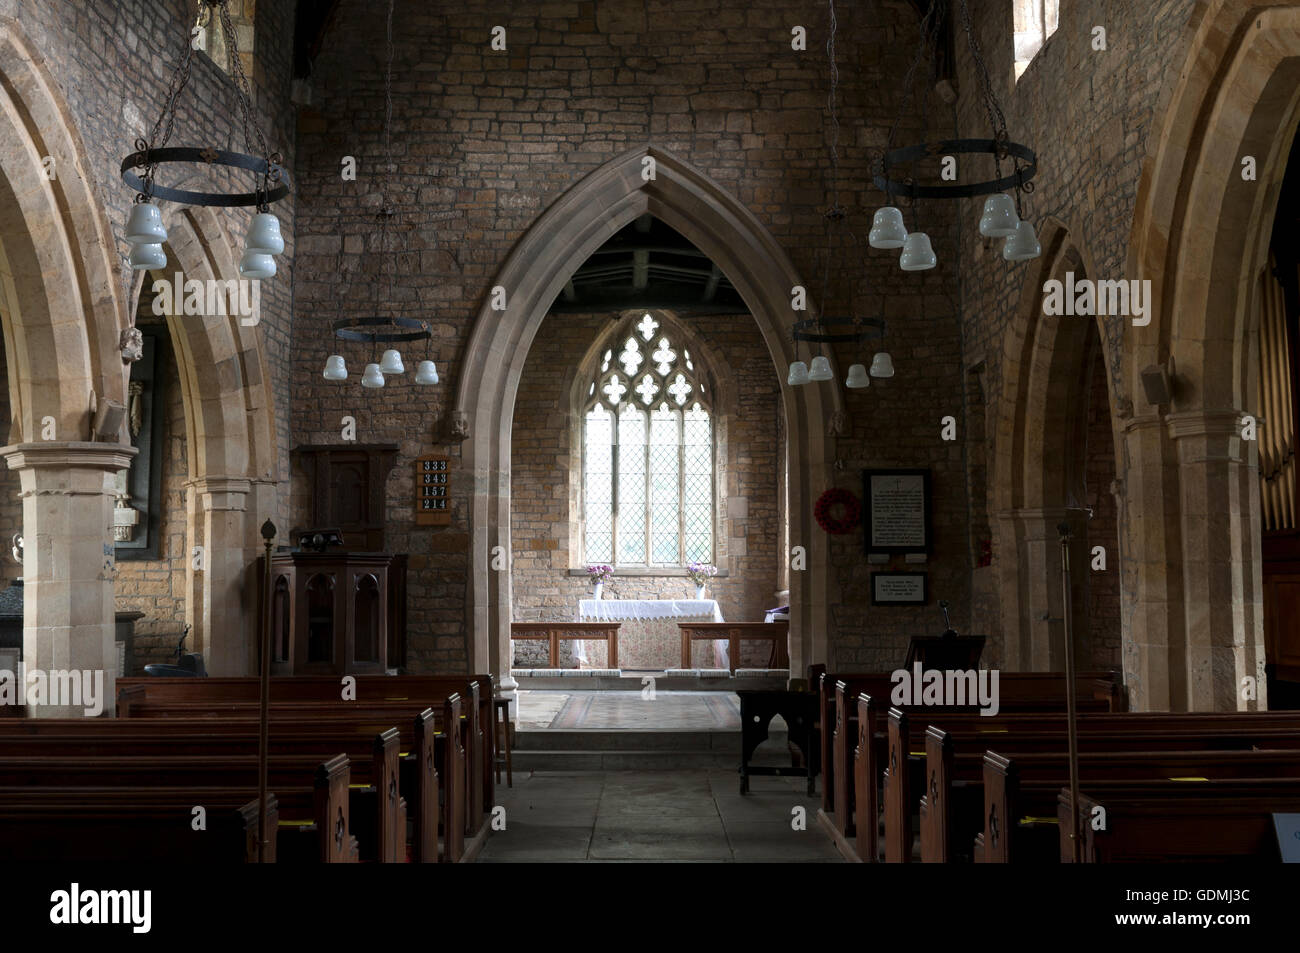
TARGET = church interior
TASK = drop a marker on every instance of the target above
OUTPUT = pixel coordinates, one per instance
(629, 430)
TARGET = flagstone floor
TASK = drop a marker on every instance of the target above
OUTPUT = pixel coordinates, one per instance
(630, 711)
(656, 816)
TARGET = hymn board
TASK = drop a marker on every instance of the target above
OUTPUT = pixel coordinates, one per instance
(432, 507)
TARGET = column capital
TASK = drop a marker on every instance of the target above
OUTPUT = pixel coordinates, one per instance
(68, 454)
(1225, 422)
(220, 492)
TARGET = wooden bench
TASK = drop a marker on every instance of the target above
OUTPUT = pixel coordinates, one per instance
(778, 633)
(424, 691)
(556, 632)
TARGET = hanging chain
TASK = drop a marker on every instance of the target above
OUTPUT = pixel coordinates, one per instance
(244, 93)
(180, 78)
(388, 144)
(992, 108)
(834, 214)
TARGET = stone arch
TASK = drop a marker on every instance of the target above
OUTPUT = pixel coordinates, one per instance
(1041, 410)
(546, 255)
(66, 312)
(1200, 236)
(229, 415)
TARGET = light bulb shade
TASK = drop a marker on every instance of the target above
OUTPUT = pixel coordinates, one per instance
(335, 369)
(999, 219)
(1023, 245)
(145, 226)
(373, 377)
(882, 365)
(392, 363)
(917, 253)
(821, 369)
(887, 229)
(264, 236)
(426, 373)
(798, 374)
(255, 265)
(144, 257)
(857, 377)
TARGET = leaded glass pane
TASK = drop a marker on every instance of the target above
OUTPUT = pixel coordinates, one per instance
(665, 485)
(697, 484)
(631, 485)
(598, 473)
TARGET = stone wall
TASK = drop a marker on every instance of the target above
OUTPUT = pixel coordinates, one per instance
(544, 495)
(1089, 115)
(484, 140)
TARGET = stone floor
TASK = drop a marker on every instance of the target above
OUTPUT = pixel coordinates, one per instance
(629, 711)
(631, 816)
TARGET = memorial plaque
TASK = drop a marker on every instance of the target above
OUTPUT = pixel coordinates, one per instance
(896, 516)
(898, 589)
(432, 492)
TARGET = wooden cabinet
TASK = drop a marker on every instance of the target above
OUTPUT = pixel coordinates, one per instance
(330, 613)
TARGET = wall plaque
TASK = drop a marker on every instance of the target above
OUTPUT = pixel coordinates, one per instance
(898, 589)
(432, 492)
(896, 516)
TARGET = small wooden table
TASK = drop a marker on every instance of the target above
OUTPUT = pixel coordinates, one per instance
(554, 632)
(504, 726)
(757, 709)
(736, 632)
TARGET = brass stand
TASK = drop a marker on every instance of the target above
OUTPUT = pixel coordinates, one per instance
(1071, 714)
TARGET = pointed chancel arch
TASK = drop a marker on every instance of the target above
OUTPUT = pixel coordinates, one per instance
(646, 180)
(1200, 235)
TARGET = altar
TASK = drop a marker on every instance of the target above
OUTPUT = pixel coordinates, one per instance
(648, 638)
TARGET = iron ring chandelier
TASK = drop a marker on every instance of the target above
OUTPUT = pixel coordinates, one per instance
(811, 330)
(1000, 148)
(417, 330)
(275, 176)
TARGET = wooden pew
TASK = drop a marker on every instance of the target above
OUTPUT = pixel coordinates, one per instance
(129, 823)
(1214, 820)
(426, 691)
(1028, 785)
(954, 768)
(1018, 691)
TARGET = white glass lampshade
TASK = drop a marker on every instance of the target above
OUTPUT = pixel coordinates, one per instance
(917, 253)
(1023, 245)
(426, 373)
(373, 377)
(821, 369)
(882, 365)
(392, 363)
(798, 374)
(999, 219)
(264, 236)
(144, 257)
(887, 229)
(255, 265)
(335, 369)
(857, 377)
(145, 226)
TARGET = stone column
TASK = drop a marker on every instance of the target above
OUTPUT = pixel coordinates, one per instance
(68, 613)
(1222, 591)
(226, 611)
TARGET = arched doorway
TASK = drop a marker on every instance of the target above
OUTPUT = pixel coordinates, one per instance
(647, 180)
(1055, 466)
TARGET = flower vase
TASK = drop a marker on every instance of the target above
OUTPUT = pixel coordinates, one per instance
(699, 592)
(599, 587)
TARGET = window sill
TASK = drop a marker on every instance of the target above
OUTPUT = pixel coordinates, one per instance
(663, 571)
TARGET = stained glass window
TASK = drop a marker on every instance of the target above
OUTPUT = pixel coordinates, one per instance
(647, 453)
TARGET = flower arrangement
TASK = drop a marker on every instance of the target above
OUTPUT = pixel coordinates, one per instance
(600, 573)
(701, 573)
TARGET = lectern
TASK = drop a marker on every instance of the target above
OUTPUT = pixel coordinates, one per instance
(329, 613)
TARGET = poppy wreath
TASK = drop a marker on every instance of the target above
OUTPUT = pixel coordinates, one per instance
(837, 526)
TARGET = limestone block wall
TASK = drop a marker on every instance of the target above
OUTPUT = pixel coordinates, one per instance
(484, 140)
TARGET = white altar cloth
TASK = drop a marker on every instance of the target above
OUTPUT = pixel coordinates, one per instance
(623, 610)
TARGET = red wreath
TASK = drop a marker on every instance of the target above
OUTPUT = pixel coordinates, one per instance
(828, 501)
